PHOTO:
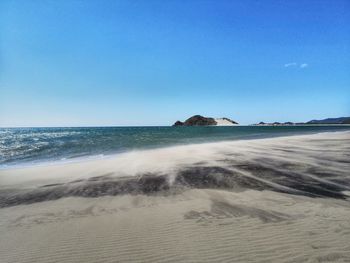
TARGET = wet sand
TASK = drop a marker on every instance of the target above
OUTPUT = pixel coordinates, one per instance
(269, 200)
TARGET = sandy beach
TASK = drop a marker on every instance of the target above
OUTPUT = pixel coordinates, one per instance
(269, 200)
(197, 131)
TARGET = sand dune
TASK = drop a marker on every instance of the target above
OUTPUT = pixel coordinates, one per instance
(223, 122)
(271, 200)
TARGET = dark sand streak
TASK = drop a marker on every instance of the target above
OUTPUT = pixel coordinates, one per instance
(191, 177)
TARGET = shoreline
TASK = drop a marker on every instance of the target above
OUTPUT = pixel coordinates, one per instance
(102, 156)
(169, 161)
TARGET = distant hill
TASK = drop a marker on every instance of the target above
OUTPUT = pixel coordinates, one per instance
(341, 120)
(198, 120)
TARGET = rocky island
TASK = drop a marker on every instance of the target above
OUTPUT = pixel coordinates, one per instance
(198, 120)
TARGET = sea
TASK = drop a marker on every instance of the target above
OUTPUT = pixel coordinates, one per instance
(35, 146)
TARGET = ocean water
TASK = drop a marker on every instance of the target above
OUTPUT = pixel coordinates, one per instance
(29, 146)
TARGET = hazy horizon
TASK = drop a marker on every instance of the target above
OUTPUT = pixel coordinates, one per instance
(162, 125)
(150, 63)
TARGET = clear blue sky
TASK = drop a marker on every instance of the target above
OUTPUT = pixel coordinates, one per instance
(82, 63)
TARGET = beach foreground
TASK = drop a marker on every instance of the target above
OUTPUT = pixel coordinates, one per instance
(268, 200)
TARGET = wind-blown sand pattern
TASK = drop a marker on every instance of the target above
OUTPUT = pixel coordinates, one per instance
(269, 200)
